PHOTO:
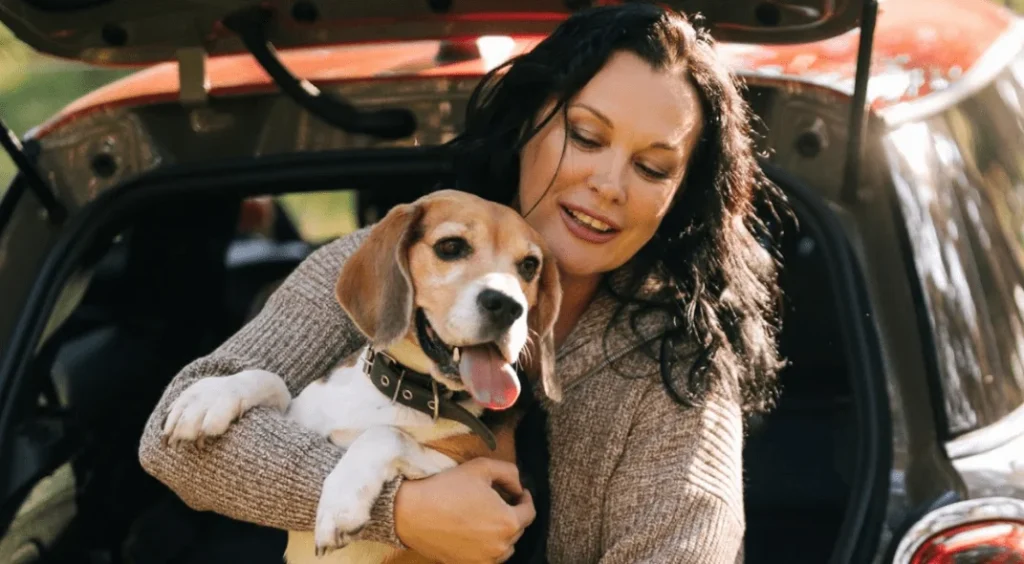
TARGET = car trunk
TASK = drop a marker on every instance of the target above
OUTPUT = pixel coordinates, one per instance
(112, 290)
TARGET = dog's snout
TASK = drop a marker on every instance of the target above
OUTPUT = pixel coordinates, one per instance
(501, 309)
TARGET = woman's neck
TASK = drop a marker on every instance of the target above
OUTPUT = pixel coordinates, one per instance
(577, 292)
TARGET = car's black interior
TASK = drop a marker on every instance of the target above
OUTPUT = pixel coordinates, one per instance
(181, 279)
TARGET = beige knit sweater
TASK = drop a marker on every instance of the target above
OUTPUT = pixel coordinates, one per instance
(634, 477)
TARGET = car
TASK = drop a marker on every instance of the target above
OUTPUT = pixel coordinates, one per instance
(151, 217)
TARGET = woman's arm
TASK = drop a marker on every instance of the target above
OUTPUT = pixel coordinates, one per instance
(266, 469)
(676, 495)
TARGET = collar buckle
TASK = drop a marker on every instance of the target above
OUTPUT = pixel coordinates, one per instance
(368, 359)
(434, 404)
(432, 400)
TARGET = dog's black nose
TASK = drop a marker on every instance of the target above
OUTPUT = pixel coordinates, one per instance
(500, 308)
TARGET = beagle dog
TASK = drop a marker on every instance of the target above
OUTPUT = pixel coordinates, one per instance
(451, 292)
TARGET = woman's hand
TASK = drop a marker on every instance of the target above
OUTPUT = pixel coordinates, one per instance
(458, 516)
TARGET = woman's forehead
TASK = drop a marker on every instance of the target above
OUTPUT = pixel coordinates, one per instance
(630, 94)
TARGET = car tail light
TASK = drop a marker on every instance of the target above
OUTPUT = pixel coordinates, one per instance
(986, 530)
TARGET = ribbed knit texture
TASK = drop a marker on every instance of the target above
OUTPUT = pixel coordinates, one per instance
(634, 476)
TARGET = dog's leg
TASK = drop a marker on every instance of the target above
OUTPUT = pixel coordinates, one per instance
(351, 489)
(209, 406)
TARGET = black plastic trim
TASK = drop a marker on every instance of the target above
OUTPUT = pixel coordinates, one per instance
(856, 126)
(929, 351)
(916, 514)
(308, 172)
(251, 26)
(10, 200)
(860, 532)
(24, 160)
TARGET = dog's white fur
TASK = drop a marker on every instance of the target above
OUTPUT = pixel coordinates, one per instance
(381, 438)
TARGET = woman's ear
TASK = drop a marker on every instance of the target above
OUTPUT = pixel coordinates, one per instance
(542, 319)
(374, 287)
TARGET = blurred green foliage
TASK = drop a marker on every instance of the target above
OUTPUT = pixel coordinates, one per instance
(33, 87)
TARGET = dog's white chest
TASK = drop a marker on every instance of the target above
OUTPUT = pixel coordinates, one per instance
(346, 404)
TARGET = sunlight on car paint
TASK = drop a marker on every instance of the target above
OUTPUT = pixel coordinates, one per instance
(495, 49)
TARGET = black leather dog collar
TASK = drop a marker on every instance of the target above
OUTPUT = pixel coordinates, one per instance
(422, 393)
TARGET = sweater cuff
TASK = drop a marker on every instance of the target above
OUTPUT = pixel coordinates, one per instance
(381, 527)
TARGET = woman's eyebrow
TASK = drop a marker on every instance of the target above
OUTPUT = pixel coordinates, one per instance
(656, 145)
(596, 113)
(664, 145)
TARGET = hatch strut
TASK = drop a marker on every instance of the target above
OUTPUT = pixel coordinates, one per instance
(251, 26)
(55, 211)
(851, 172)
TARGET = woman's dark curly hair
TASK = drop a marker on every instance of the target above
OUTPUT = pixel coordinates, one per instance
(722, 280)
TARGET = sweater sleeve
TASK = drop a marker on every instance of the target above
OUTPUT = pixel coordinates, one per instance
(267, 469)
(676, 494)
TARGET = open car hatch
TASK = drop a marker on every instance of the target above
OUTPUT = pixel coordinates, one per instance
(122, 32)
(129, 32)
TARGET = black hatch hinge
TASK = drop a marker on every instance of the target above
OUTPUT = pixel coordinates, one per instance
(55, 211)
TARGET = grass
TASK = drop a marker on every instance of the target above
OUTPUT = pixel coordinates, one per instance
(34, 87)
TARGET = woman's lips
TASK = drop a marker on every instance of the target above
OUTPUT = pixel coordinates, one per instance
(585, 232)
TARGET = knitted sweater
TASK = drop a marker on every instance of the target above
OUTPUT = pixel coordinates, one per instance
(634, 477)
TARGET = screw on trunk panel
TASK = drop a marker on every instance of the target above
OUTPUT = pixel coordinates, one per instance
(813, 140)
(768, 14)
(103, 165)
(305, 12)
(439, 6)
(114, 35)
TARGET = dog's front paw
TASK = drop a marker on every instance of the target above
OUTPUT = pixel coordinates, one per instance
(344, 509)
(209, 406)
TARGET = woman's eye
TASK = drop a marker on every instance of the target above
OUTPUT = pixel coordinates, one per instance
(582, 140)
(452, 248)
(528, 268)
(652, 172)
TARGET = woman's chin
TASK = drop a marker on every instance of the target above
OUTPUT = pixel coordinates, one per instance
(581, 259)
(581, 265)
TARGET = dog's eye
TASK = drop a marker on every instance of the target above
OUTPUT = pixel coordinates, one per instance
(452, 248)
(528, 268)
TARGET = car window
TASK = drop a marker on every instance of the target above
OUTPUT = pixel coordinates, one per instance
(959, 177)
(321, 216)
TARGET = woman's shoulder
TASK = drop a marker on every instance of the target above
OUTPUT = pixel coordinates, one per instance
(336, 252)
(316, 276)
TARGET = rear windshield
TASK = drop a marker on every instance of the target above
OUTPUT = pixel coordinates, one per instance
(959, 177)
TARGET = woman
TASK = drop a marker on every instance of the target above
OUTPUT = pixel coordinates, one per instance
(624, 141)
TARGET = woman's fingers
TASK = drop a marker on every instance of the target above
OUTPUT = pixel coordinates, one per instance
(503, 474)
(524, 511)
(508, 555)
(457, 516)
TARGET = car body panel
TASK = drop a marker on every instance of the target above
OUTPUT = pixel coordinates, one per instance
(131, 32)
(906, 65)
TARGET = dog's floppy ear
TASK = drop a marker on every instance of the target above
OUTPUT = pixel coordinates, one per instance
(374, 287)
(542, 319)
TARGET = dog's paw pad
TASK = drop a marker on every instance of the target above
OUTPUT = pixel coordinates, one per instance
(337, 527)
(329, 539)
(341, 540)
(205, 409)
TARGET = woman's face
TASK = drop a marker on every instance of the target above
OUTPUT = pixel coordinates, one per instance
(631, 131)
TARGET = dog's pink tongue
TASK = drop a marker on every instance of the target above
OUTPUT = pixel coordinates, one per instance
(489, 378)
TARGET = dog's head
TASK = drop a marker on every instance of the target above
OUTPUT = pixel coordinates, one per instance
(466, 280)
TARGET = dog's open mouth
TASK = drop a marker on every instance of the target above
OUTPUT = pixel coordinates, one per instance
(486, 373)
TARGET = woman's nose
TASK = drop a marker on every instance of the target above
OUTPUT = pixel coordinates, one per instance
(608, 180)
